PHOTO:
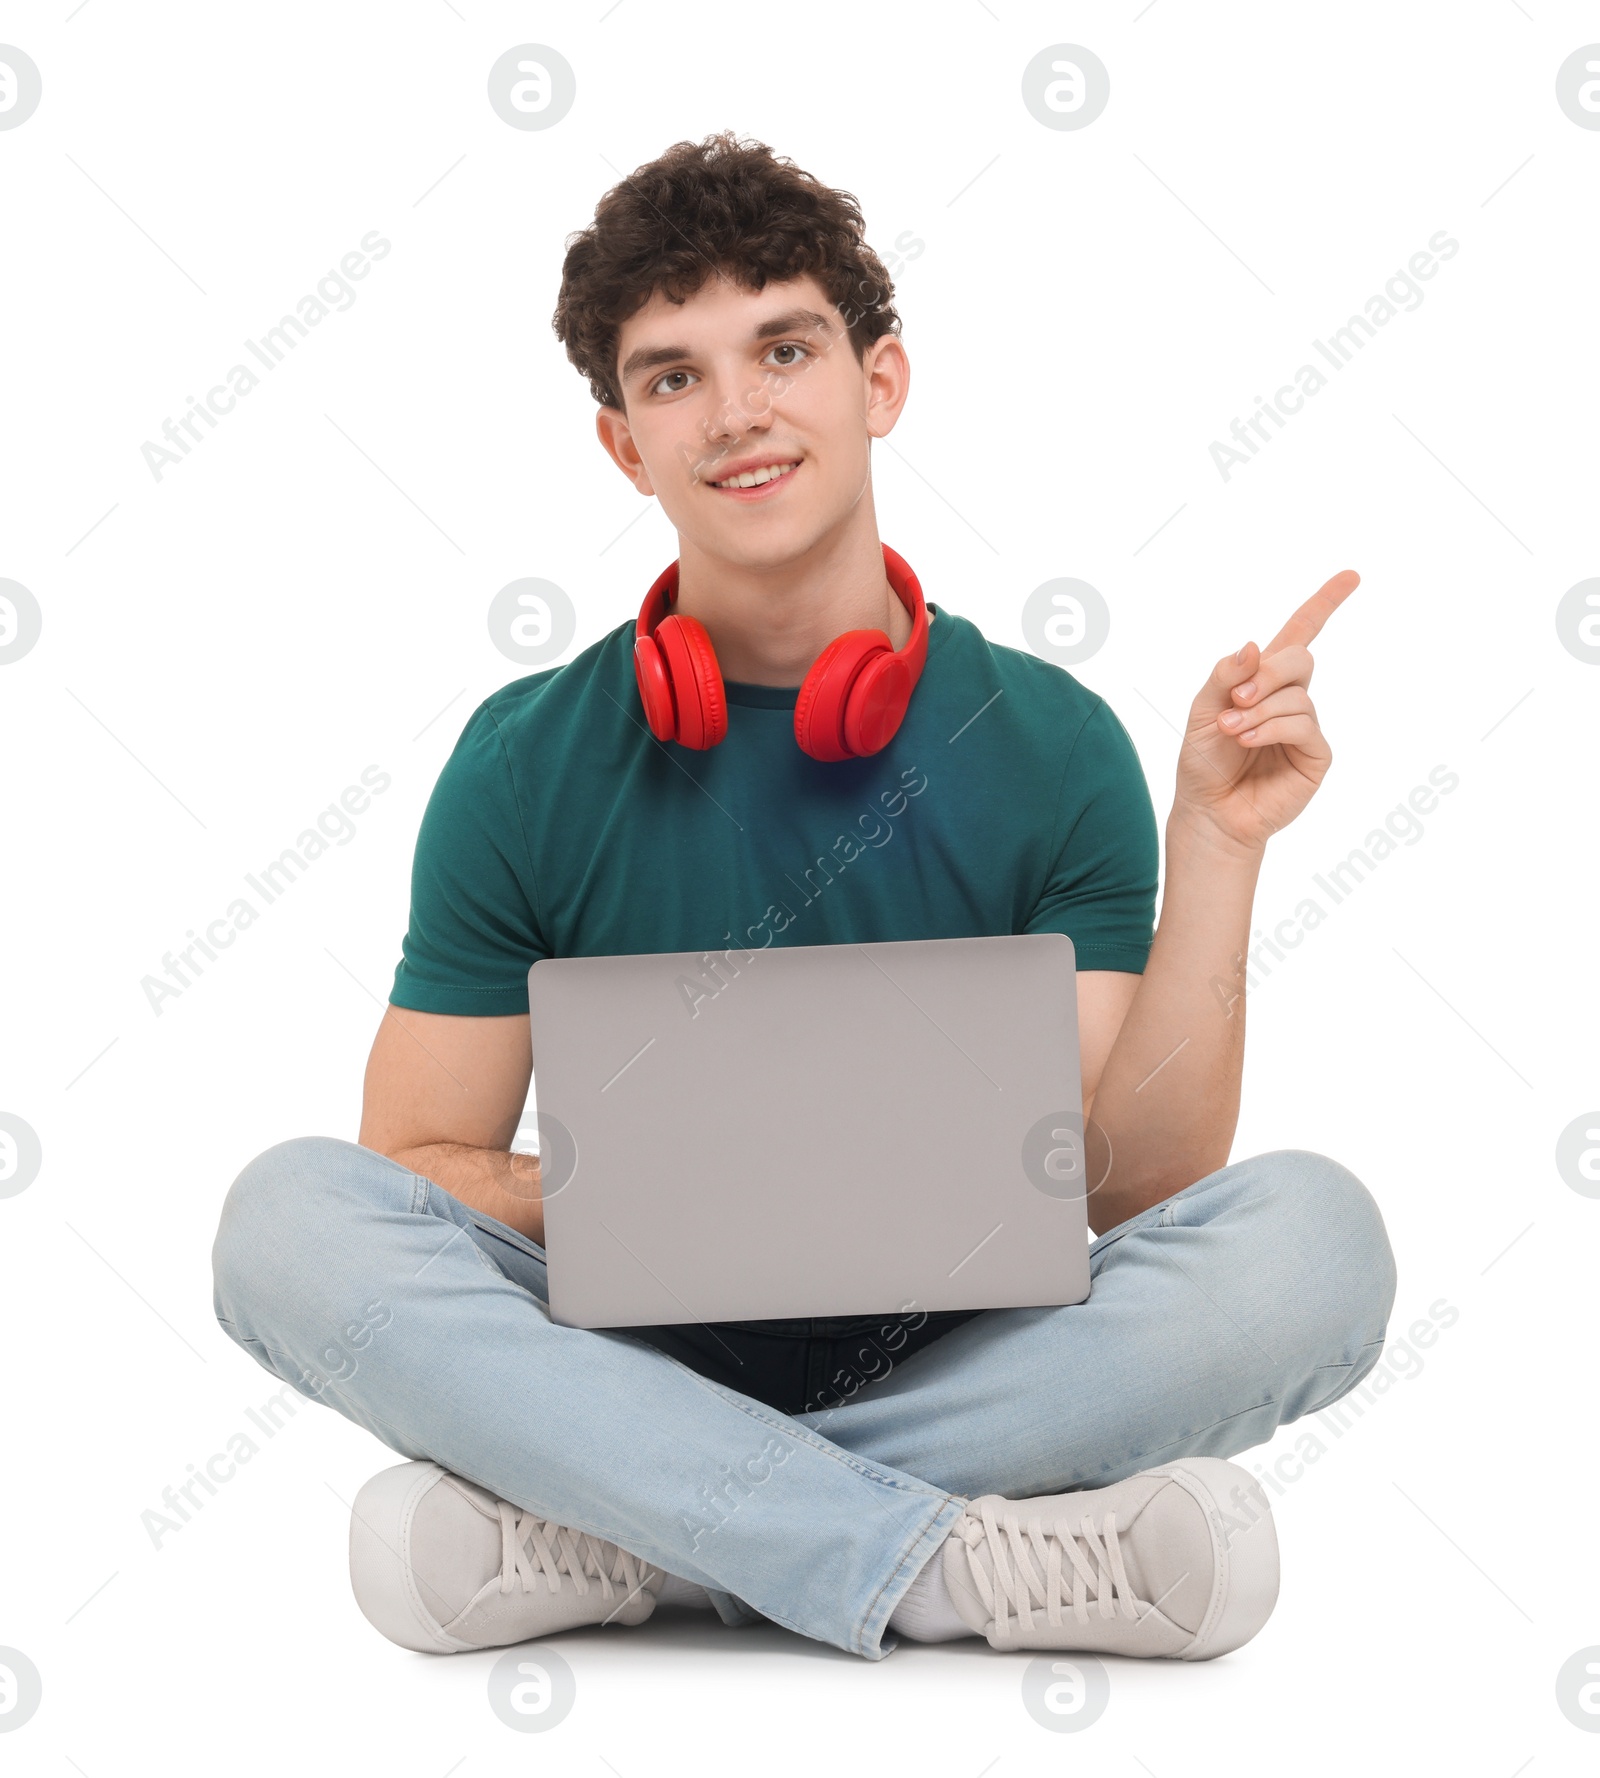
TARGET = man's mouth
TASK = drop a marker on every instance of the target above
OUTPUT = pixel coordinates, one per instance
(758, 478)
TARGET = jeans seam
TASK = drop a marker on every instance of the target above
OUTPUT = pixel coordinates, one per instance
(859, 1638)
(1344, 1364)
(1337, 1393)
(1146, 1457)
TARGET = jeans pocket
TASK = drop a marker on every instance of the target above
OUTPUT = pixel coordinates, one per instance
(1157, 1216)
(503, 1231)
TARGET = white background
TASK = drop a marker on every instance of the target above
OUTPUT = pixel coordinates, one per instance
(224, 650)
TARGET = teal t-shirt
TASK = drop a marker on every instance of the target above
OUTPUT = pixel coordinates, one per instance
(1011, 799)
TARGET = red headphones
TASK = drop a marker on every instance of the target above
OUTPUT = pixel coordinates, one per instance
(852, 701)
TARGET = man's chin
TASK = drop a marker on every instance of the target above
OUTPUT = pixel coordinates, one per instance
(756, 547)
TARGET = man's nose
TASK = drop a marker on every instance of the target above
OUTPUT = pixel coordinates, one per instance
(743, 401)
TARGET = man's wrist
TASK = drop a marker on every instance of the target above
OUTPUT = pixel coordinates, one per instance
(519, 1199)
(1193, 836)
(501, 1184)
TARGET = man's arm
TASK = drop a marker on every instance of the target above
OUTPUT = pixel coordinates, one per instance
(1166, 1102)
(443, 1095)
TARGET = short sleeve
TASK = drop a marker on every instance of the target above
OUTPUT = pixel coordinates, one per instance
(1101, 886)
(474, 930)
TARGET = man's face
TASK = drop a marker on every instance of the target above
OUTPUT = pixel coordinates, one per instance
(735, 379)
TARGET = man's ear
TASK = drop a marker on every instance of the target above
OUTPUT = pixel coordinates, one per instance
(887, 373)
(611, 423)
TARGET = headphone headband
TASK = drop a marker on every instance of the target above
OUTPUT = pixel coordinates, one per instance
(853, 698)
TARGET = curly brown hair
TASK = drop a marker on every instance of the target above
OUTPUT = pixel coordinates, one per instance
(722, 206)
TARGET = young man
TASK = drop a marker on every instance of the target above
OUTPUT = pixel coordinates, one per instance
(1047, 1478)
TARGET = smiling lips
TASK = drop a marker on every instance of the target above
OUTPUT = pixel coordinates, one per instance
(753, 484)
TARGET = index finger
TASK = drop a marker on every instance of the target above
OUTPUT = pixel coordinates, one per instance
(1303, 626)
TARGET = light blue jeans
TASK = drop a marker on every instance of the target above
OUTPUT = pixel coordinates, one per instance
(1258, 1294)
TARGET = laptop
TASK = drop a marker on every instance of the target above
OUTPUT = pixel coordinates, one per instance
(810, 1130)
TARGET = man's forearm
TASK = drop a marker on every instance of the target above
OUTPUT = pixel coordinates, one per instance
(504, 1186)
(1168, 1098)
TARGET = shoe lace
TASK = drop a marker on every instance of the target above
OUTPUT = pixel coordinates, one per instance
(531, 1546)
(1030, 1564)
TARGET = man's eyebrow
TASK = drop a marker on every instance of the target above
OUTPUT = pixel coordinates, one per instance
(644, 358)
(792, 321)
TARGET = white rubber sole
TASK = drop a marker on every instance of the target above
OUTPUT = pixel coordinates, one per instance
(380, 1565)
(1246, 1545)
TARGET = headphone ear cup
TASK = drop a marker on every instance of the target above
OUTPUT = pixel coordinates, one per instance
(655, 688)
(691, 662)
(877, 703)
(819, 711)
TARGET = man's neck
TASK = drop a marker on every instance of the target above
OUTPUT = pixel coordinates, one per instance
(769, 624)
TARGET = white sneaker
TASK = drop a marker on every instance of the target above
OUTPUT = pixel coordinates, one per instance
(1179, 1561)
(439, 1565)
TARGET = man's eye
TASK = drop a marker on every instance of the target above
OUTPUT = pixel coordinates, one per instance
(667, 379)
(790, 346)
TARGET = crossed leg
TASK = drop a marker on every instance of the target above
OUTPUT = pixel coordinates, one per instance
(1254, 1296)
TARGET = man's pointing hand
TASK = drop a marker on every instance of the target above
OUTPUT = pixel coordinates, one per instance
(1253, 752)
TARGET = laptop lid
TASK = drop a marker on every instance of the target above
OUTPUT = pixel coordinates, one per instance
(810, 1130)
